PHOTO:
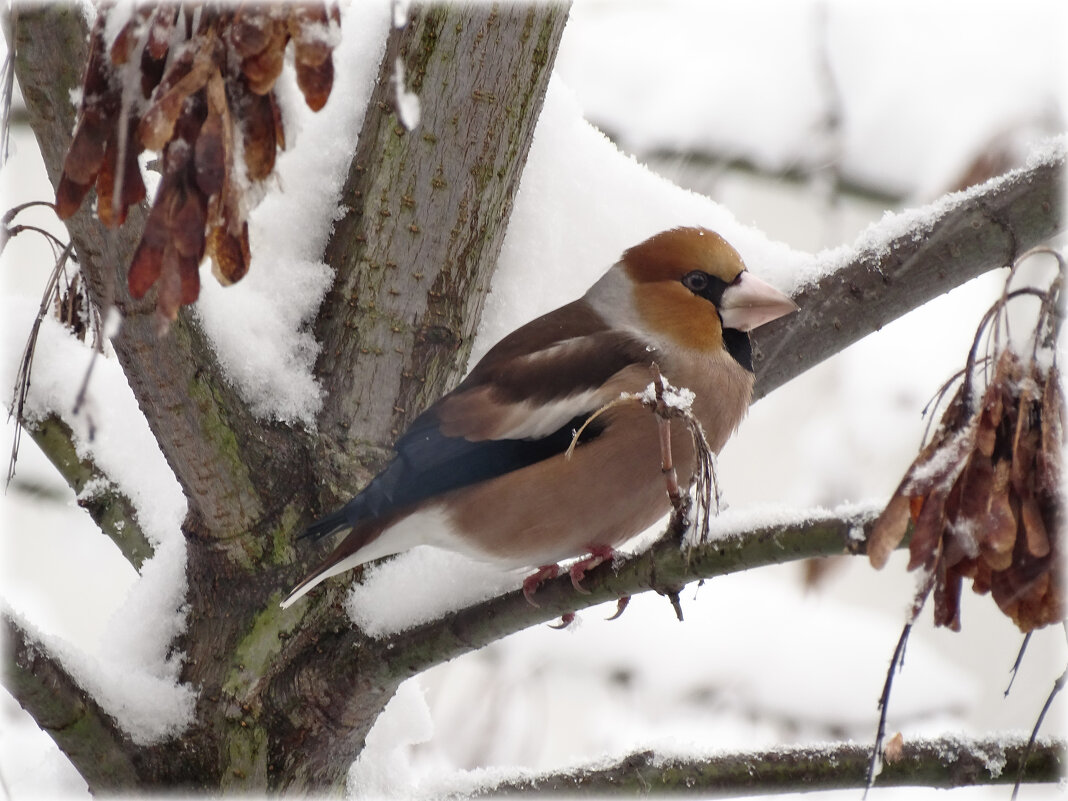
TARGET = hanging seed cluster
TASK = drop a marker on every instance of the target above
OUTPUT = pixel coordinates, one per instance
(984, 495)
(194, 82)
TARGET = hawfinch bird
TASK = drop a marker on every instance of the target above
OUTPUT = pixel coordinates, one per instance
(484, 471)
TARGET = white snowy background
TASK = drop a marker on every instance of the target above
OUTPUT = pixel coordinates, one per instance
(917, 89)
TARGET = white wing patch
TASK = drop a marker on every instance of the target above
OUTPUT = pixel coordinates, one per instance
(528, 420)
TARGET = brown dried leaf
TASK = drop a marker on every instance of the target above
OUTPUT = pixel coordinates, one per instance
(1025, 445)
(114, 201)
(1048, 460)
(947, 599)
(315, 82)
(262, 69)
(133, 185)
(144, 269)
(105, 183)
(889, 530)
(260, 145)
(69, 196)
(998, 528)
(210, 155)
(251, 30)
(186, 76)
(187, 224)
(1034, 528)
(169, 286)
(229, 254)
(159, 37)
(974, 486)
(86, 153)
(189, 269)
(1032, 599)
(924, 546)
(124, 43)
(981, 576)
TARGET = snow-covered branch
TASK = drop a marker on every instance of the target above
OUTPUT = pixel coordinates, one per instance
(665, 568)
(898, 267)
(945, 762)
(88, 735)
(97, 494)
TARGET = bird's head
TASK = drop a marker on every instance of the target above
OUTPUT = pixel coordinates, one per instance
(692, 288)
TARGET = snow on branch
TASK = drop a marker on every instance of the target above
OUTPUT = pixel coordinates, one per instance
(90, 737)
(110, 508)
(945, 762)
(907, 259)
(736, 542)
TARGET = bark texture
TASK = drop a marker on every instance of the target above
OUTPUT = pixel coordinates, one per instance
(947, 762)
(971, 233)
(285, 699)
(427, 213)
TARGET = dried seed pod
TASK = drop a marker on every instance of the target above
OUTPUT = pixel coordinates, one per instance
(69, 196)
(145, 268)
(984, 496)
(116, 191)
(169, 285)
(124, 44)
(251, 30)
(258, 134)
(210, 156)
(159, 36)
(262, 69)
(187, 76)
(315, 82)
(229, 254)
(96, 120)
(200, 84)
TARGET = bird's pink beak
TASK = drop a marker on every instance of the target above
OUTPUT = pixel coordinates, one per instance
(748, 303)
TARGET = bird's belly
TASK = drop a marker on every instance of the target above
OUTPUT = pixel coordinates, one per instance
(610, 490)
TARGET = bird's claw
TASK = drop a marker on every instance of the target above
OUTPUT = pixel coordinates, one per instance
(599, 554)
(566, 619)
(621, 606)
(535, 580)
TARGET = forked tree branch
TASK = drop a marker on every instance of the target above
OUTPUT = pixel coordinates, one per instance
(946, 762)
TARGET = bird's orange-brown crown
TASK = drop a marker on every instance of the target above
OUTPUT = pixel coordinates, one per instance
(656, 268)
(671, 254)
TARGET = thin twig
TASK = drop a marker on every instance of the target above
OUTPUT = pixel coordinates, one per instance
(663, 427)
(897, 662)
(22, 382)
(1057, 685)
(1018, 662)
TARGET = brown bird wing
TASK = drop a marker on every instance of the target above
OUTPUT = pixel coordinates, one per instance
(477, 432)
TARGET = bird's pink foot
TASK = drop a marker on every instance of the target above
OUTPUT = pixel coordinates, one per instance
(536, 579)
(598, 555)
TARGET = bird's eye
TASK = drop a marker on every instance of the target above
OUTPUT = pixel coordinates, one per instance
(695, 281)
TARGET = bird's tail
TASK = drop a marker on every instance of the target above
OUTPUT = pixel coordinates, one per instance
(327, 525)
(350, 552)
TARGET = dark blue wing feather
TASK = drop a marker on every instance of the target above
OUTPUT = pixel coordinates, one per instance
(429, 463)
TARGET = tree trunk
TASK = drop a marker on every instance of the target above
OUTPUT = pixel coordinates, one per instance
(285, 699)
